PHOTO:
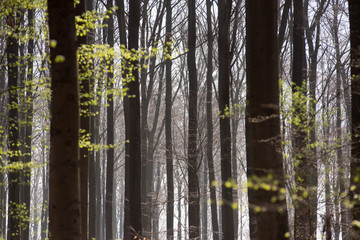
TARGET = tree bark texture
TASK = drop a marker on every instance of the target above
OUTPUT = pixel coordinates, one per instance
(65, 207)
(224, 109)
(263, 141)
(193, 182)
(109, 205)
(354, 13)
(133, 225)
(168, 129)
(209, 124)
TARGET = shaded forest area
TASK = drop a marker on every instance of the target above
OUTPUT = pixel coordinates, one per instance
(160, 119)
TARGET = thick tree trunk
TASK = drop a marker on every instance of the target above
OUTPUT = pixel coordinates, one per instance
(65, 209)
(133, 161)
(354, 13)
(224, 109)
(193, 182)
(263, 141)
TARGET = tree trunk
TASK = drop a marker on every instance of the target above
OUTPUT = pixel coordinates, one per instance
(110, 130)
(133, 162)
(92, 153)
(193, 183)
(354, 13)
(299, 132)
(14, 218)
(263, 140)
(84, 122)
(209, 124)
(65, 209)
(28, 129)
(224, 109)
(168, 131)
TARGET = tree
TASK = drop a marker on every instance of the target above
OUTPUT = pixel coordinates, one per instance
(28, 129)
(132, 223)
(84, 121)
(14, 173)
(169, 154)
(110, 129)
(193, 184)
(354, 13)
(268, 219)
(224, 105)
(64, 131)
(303, 215)
(209, 123)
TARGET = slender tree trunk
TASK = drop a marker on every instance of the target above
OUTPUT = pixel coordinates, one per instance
(133, 162)
(28, 129)
(65, 209)
(14, 174)
(263, 139)
(109, 204)
(145, 163)
(224, 109)
(92, 153)
(168, 131)
(209, 124)
(299, 132)
(341, 161)
(354, 13)
(84, 123)
(193, 182)
(179, 210)
(45, 204)
(204, 198)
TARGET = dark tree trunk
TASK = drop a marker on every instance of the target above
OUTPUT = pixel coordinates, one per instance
(65, 209)
(354, 13)
(284, 22)
(133, 161)
(209, 124)
(193, 183)
(263, 141)
(110, 130)
(14, 174)
(168, 131)
(224, 109)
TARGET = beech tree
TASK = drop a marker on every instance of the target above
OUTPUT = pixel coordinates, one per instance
(193, 184)
(132, 223)
(64, 202)
(354, 13)
(268, 220)
(224, 108)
